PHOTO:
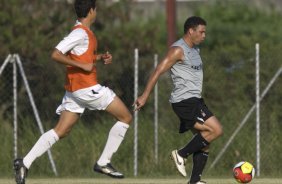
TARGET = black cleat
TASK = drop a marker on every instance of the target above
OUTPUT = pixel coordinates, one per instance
(108, 170)
(199, 182)
(20, 171)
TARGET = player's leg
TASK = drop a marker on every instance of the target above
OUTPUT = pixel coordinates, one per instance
(66, 122)
(196, 144)
(205, 123)
(185, 112)
(116, 135)
(199, 162)
(207, 132)
(194, 115)
(210, 131)
(45, 142)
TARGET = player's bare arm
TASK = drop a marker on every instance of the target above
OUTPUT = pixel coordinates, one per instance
(174, 55)
(59, 57)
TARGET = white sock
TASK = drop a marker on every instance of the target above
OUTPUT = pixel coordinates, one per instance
(115, 138)
(44, 143)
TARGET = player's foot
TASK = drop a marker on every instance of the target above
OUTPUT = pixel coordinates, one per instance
(108, 170)
(179, 162)
(20, 171)
(199, 182)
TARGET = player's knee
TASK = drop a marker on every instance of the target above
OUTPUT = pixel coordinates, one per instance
(125, 118)
(218, 132)
(213, 133)
(128, 118)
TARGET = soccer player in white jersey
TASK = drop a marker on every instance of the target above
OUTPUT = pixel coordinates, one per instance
(186, 68)
(78, 52)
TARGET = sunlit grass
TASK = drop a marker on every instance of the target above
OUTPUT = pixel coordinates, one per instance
(136, 181)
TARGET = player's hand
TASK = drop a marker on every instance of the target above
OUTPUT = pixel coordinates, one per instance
(107, 58)
(139, 103)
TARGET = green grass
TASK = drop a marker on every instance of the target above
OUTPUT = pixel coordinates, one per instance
(136, 181)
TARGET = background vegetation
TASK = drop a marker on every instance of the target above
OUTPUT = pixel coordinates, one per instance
(33, 28)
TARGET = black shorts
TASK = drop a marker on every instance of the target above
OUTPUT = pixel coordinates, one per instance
(190, 111)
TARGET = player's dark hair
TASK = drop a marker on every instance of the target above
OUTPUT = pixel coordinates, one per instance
(193, 22)
(82, 7)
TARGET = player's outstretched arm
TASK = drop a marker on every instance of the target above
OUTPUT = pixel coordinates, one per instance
(174, 55)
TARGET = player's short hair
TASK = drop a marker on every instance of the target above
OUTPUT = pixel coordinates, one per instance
(193, 22)
(82, 7)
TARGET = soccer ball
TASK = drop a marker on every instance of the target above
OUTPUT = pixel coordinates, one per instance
(243, 172)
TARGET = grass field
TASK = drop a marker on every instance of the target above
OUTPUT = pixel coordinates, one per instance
(135, 181)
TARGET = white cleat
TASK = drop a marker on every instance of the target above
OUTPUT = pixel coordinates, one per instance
(179, 162)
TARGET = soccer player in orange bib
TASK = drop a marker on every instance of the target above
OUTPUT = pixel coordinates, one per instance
(78, 52)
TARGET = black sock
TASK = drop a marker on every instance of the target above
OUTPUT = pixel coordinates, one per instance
(199, 162)
(196, 144)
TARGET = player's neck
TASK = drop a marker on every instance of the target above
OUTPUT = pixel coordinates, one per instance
(188, 41)
(85, 22)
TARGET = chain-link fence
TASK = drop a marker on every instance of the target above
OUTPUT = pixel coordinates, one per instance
(229, 91)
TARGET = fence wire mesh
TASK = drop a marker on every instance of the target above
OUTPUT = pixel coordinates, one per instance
(229, 91)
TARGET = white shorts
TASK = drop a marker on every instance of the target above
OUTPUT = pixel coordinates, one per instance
(93, 98)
